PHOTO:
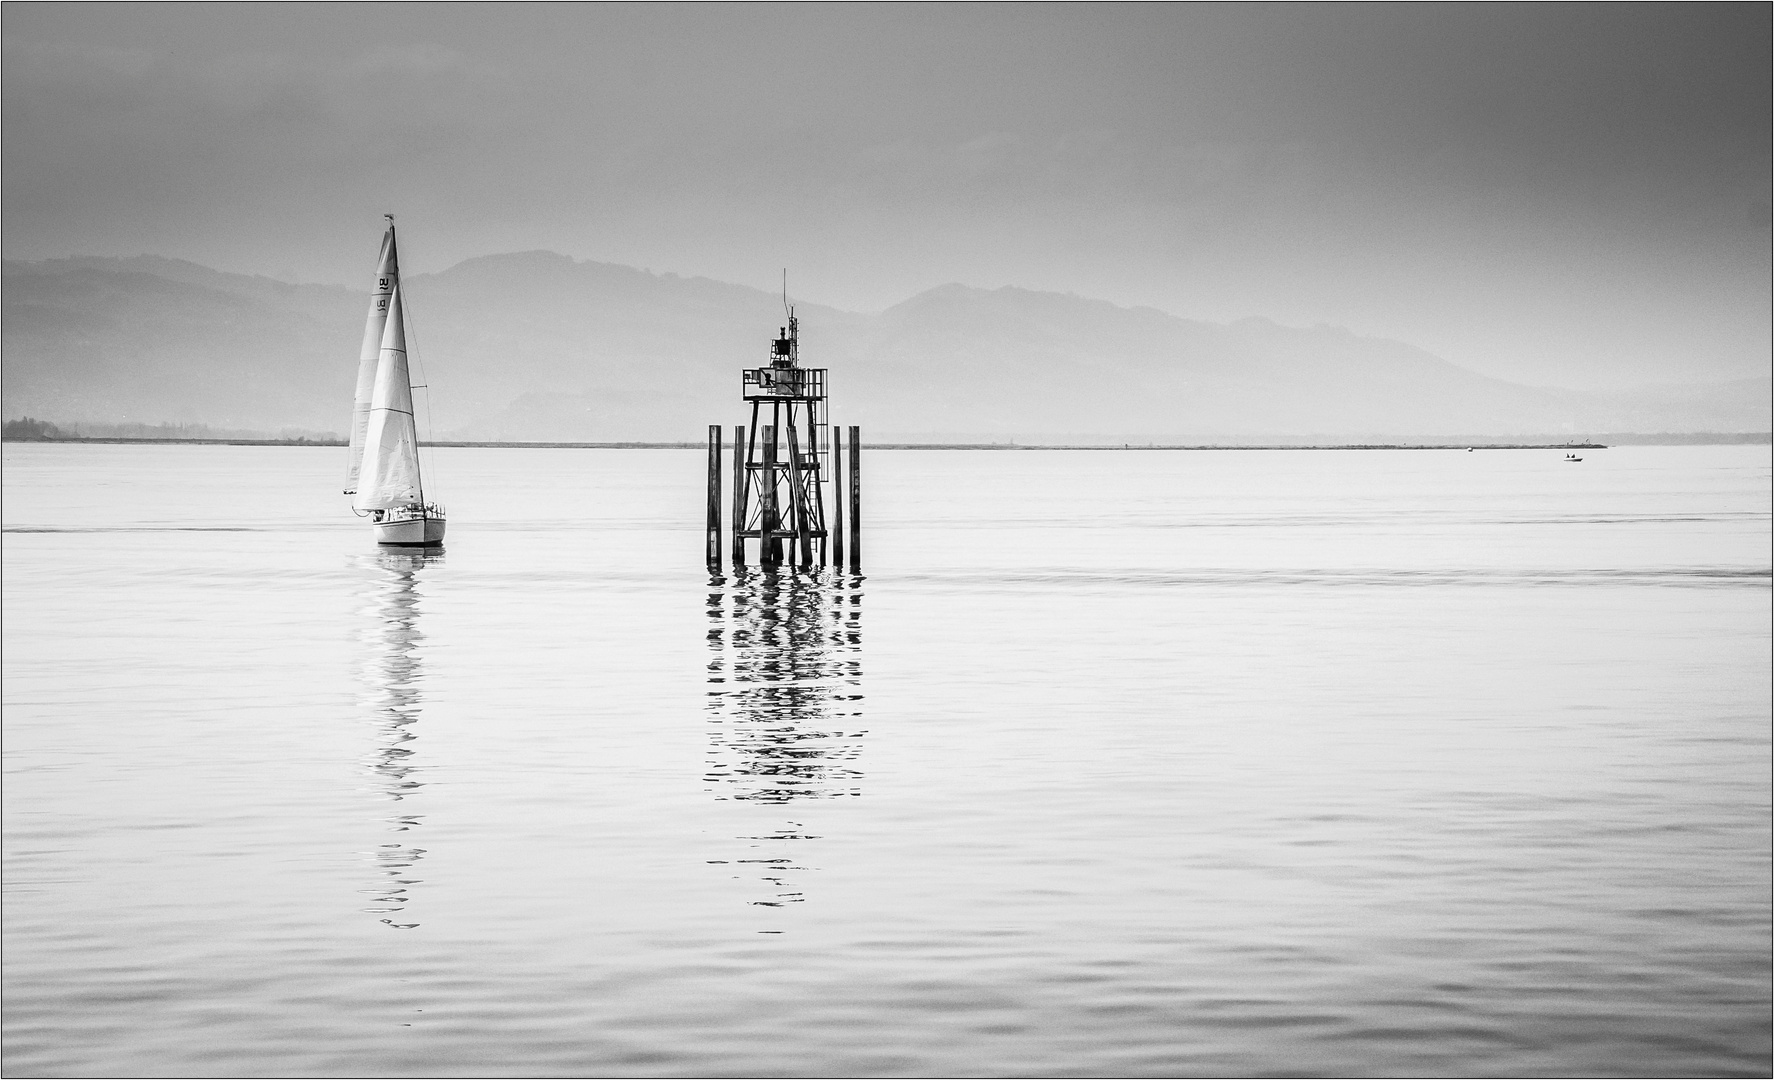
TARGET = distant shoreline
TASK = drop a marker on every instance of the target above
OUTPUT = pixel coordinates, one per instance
(1698, 439)
(1748, 440)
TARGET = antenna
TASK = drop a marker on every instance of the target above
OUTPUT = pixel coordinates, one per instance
(785, 306)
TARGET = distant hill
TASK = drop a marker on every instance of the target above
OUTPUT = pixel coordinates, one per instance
(150, 340)
(536, 346)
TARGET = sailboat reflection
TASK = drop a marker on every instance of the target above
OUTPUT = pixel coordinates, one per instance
(785, 696)
(392, 699)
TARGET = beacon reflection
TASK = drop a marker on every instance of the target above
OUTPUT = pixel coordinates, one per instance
(785, 686)
(392, 701)
(784, 704)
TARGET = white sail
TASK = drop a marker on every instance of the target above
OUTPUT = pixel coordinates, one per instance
(370, 354)
(390, 473)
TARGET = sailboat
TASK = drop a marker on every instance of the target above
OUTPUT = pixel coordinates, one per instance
(383, 474)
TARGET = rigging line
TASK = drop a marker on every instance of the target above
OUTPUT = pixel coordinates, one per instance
(414, 354)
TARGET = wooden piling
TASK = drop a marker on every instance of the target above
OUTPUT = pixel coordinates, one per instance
(770, 521)
(855, 499)
(713, 544)
(739, 495)
(815, 504)
(837, 539)
(801, 547)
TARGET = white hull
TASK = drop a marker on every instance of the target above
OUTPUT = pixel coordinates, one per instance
(411, 532)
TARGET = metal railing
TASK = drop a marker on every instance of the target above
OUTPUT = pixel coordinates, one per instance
(411, 513)
(780, 383)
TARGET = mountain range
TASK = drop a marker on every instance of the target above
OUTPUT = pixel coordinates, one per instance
(538, 346)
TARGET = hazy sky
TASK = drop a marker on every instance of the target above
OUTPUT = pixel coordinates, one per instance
(1569, 195)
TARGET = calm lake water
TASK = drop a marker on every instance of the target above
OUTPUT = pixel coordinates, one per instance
(1115, 763)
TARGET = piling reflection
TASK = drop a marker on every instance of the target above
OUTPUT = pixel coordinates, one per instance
(784, 704)
(392, 699)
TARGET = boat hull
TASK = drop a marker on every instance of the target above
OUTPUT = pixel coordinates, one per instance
(410, 532)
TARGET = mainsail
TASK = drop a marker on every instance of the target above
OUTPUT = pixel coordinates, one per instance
(370, 354)
(390, 473)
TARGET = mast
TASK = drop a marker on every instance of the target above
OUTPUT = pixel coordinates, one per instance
(407, 375)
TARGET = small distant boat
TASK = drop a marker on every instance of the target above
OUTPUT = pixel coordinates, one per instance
(1572, 457)
(383, 476)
